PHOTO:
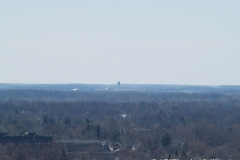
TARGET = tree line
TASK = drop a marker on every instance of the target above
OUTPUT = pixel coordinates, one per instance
(161, 125)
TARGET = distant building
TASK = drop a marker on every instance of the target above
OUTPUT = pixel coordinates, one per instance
(114, 147)
(27, 137)
(118, 85)
(80, 145)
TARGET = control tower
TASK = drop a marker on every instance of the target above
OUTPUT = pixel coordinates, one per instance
(118, 85)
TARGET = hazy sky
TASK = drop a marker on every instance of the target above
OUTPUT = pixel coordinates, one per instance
(132, 41)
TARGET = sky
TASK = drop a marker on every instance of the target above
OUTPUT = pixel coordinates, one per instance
(131, 41)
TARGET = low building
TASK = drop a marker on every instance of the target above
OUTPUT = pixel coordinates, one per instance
(80, 145)
(27, 137)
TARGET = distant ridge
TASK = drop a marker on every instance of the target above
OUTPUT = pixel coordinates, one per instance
(123, 87)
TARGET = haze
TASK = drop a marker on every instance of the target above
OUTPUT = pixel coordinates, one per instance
(136, 41)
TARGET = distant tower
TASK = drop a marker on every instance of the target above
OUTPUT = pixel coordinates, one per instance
(118, 85)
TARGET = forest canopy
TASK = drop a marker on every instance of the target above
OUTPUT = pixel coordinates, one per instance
(157, 124)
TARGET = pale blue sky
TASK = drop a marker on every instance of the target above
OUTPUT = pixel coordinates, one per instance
(132, 41)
